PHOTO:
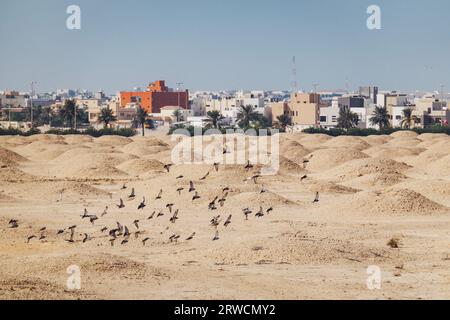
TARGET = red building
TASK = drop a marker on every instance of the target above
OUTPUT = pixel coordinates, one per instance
(157, 96)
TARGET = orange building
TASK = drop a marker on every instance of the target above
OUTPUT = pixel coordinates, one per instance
(156, 97)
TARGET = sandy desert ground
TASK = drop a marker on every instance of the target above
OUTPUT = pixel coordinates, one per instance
(371, 190)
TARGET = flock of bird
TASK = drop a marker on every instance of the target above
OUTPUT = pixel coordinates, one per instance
(122, 233)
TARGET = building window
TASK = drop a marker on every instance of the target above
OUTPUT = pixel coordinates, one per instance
(323, 118)
(334, 119)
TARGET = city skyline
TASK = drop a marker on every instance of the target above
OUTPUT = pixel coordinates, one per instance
(225, 45)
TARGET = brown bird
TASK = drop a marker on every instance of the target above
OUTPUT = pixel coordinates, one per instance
(13, 223)
(247, 211)
(260, 213)
(124, 241)
(215, 221)
(167, 167)
(226, 189)
(216, 166)
(151, 216)
(228, 221)
(103, 229)
(132, 194)
(93, 218)
(222, 201)
(60, 231)
(145, 240)
(191, 186)
(85, 214)
(160, 214)
(136, 223)
(86, 238)
(205, 176)
(190, 237)
(196, 196)
(174, 218)
(248, 166)
(159, 195)
(121, 204)
(212, 204)
(174, 237)
(105, 212)
(269, 210)
(124, 186)
(169, 205)
(179, 190)
(30, 237)
(316, 199)
(216, 236)
(180, 177)
(142, 204)
(303, 177)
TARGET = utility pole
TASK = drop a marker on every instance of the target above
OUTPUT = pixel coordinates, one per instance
(179, 84)
(294, 83)
(31, 101)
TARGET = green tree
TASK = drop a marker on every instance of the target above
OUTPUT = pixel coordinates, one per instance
(245, 115)
(141, 118)
(178, 115)
(70, 113)
(408, 118)
(106, 117)
(347, 119)
(214, 116)
(380, 117)
(284, 120)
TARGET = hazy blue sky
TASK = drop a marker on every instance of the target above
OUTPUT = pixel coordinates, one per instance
(215, 44)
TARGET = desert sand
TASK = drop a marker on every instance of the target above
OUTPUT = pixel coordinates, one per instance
(371, 190)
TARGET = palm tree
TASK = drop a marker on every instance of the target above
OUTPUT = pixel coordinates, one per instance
(245, 115)
(177, 114)
(214, 116)
(408, 118)
(380, 117)
(284, 120)
(106, 116)
(71, 113)
(347, 119)
(141, 117)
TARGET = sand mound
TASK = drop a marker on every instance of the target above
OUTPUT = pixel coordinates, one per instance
(8, 157)
(40, 150)
(434, 153)
(394, 153)
(394, 202)
(140, 166)
(404, 134)
(13, 174)
(254, 199)
(324, 159)
(439, 168)
(49, 138)
(288, 166)
(355, 143)
(404, 142)
(113, 140)
(432, 136)
(293, 150)
(377, 140)
(329, 187)
(78, 139)
(298, 248)
(144, 147)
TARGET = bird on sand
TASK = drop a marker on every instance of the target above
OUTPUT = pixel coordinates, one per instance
(169, 205)
(124, 241)
(222, 200)
(191, 186)
(246, 212)
(103, 229)
(260, 213)
(151, 216)
(105, 212)
(248, 166)
(190, 237)
(254, 178)
(174, 217)
(72, 233)
(269, 210)
(86, 238)
(216, 166)
(212, 204)
(216, 236)
(85, 214)
(124, 186)
(179, 190)
(119, 228)
(303, 177)
(205, 176)
(93, 218)
(112, 241)
(228, 221)
(142, 204)
(132, 194)
(145, 240)
(13, 223)
(30, 238)
(159, 194)
(136, 223)
(174, 237)
(180, 177)
(196, 196)
(226, 189)
(121, 204)
(60, 231)
(160, 214)
(316, 199)
(112, 233)
(263, 190)
(167, 167)
(215, 221)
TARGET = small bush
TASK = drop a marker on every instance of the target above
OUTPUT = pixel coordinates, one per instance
(124, 132)
(18, 132)
(334, 132)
